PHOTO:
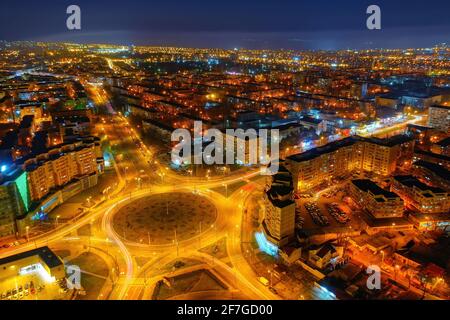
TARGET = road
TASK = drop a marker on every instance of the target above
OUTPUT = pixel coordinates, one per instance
(140, 175)
(131, 160)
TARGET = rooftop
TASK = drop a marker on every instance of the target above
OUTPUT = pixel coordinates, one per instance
(391, 141)
(441, 107)
(444, 142)
(411, 181)
(368, 185)
(330, 147)
(435, 168)
(44, 253)
(431, 154)
(311, 120)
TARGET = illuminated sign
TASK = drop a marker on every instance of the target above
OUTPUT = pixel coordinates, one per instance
(38, 269)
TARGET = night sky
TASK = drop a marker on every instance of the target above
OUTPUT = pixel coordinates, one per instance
(300, 24)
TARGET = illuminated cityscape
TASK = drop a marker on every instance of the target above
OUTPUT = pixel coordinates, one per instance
(94, 205)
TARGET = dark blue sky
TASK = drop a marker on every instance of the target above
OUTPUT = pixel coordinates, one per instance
(299, 24)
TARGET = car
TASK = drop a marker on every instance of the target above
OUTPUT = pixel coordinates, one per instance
(264, 281)
(273, 290)
(6, 245)
(3, 296)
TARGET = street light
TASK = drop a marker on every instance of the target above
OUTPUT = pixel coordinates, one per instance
(271, 279)
(226, 189)
(88, 199)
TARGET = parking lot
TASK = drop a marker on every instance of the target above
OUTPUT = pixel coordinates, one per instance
(32, 287)
(327, 209)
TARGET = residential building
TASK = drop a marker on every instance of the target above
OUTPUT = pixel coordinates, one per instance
(58, 167)
(318, 125)
(378, 202)
(279, 218)
(13, 201)
(439, 117)
(321, 256)
(424, 198)
(432, 173)
(339, 158)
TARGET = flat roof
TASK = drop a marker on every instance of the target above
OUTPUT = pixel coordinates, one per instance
(368, 185)
(441, 107)
(280, 191)
(444, 142)
(391, 141)
(44, 253)
(336, 145)
(328, 148)
(435, 168)
(431, 154)
(411, 181)
(311, 120)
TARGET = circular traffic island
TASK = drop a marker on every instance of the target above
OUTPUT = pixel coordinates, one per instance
(158, 219)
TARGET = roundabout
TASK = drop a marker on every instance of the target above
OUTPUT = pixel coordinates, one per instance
(162, 219)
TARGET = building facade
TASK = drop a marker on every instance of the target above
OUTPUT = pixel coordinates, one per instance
(339, 158)
(424, 198)
(439, 117)
(378, 202)
(279, 219)
(58, 167)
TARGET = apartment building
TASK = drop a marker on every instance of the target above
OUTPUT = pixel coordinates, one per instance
(432, 173)
(318, 165)
(378, 202)
(279, 219)
(58, 167)
(439, 117)
(423, 197)
(13, 200)
(8, 209)
(339, 158)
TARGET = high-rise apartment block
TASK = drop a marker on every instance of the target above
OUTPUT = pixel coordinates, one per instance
(439, 117)
(318, 165)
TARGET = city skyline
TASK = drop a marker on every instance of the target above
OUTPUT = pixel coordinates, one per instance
(263, 25)
(250, 151)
